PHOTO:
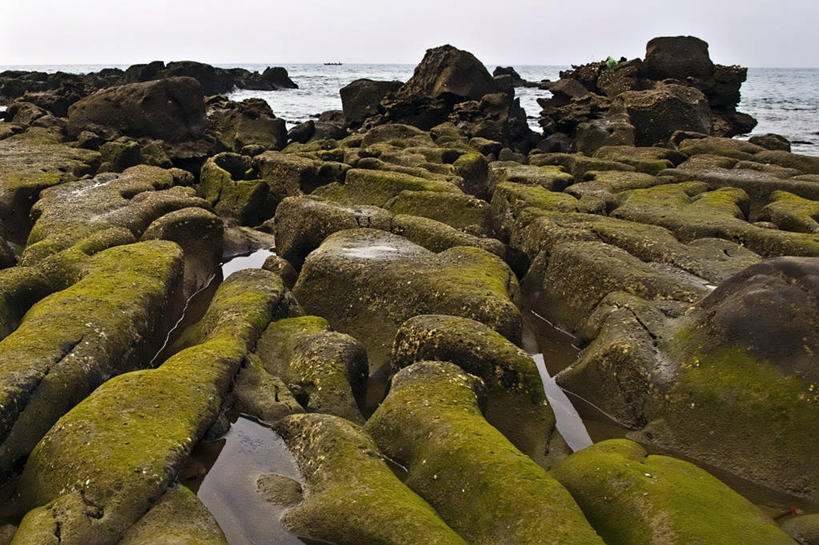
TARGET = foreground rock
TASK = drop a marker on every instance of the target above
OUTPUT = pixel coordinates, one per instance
(480, 484)
(115, 473)
(353, 496)
(515, 402)
(109, 322)
(667, 501)
(367, 282)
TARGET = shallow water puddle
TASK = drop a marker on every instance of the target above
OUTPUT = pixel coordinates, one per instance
(251, 261)
(228, 489)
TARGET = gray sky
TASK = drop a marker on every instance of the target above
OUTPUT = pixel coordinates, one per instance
(748, 32)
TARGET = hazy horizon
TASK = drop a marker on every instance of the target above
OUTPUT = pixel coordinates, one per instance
(524, 32)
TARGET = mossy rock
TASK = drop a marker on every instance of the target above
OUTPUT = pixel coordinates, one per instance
(726, 147)
(691, 214)
(326, 371)
(580, 274)
(438, 237)
(398, 135)
(479, 483)
(550, 177)
(287, 174)
(757, 183)
(302, 223)
(70, 212)
(746, 383)
(632, 498)
(709, 258)
(353, 496)
(458, 210)
(807, 164)
(792, 213)
(29, 163)
(650, 160)
(473, 168)
(577, 163)
(280, 266)
(200, 235)
(376, 188)
(804, 528)
(261, 395)
(104, 463)
(227, 182)
(516, 403)
(367, 283)
(178, 518)
(109, 322)
(119, 154)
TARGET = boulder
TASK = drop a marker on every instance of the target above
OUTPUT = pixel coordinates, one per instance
(627, 494)
(302, 132)
(771, 142)
(170, 109)
(325, 371)
(367, 282)
(658, 112)
(479, 483)
(496, 116)
(515, 403)
(278, 78)
(448, 71)
(677, 57)
(247, 124)
(362, 98)
(352, 495)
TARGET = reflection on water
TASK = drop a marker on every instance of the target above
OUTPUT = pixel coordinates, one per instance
(228, 489)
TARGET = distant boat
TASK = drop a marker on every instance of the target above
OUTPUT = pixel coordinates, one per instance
(332, 64)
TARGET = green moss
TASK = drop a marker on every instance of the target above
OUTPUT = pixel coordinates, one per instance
(516, 403)
(691, 214)
(119, 449)
(377, 187)
(460, 211)
(367, 282)
(71, 341)
(633, 499)
(324, 370)
(179, 517)
(792, 213)
(438, 237)
(354, 497)
(479, 483)
(763, 415)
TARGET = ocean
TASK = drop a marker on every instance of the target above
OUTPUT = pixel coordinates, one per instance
(784, 100)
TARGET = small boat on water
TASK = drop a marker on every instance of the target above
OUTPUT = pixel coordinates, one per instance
(332, 64)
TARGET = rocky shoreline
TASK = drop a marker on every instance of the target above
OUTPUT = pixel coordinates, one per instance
(411, 235)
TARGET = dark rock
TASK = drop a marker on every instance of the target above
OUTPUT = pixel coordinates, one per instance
(448, 71)
(213, 80)
(516, 80)
(247, 123)
(143, 72)
(555, 143)
(171, 109)
(657, 113)
(331, 125)
(302, 132)
(567, 89)
(496, 116)
(771, 142)
(362, 98)
(678, 57)
(278, 78)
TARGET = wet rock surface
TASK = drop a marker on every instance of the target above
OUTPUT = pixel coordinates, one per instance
(661, 276)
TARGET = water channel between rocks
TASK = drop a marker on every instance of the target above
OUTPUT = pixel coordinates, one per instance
(223, 473)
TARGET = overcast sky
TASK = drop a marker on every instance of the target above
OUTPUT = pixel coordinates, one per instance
(748, 32)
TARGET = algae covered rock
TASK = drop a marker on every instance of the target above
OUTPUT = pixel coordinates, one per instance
(104, 464)
(178, 518)
(367, 282)
(479, 483)
(353, 496)
(325, 370)
(515, 404)
(109, 322)
(632, 498)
